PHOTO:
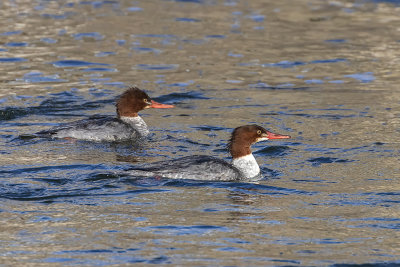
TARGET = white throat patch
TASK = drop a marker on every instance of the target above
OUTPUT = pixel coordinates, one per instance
(137, 123)
(247, 165)
(262, 139)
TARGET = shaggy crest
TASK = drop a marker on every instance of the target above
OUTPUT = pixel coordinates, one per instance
(131, 102)
(248, 135)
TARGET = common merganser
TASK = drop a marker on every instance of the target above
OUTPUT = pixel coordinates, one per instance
(127, 126)
(200, 167)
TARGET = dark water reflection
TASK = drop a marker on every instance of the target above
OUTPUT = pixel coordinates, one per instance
(323, 72)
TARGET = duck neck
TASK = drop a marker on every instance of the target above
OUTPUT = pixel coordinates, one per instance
(137, 123)
(247, 165)
(243, 159)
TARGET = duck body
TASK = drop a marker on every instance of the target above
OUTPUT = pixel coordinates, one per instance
(207, 168)
(197, 167)
(99, 128)
(127, 126)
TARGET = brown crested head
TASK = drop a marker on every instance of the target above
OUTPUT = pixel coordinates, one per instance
(244, 136)
(134, 100)
(131, 102)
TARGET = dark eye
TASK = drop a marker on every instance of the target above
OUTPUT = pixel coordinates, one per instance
(145, 100)
(259, 132)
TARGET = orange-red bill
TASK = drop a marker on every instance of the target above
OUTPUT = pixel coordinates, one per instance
(155, 104)
(277, 136)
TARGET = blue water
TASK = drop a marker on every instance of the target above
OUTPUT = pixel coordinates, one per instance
(322, 72)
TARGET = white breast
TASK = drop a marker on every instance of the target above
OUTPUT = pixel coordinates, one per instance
(247, 165)
(137, 123)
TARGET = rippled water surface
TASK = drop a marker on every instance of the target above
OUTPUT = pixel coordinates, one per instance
(325, 72)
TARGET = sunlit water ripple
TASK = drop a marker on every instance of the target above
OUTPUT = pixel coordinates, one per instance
(320, 71)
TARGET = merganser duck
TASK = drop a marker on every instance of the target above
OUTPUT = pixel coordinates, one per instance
(199, 167)
(127, 126)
